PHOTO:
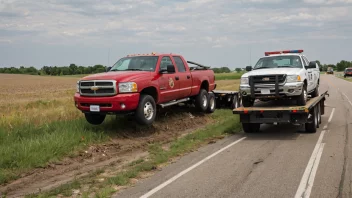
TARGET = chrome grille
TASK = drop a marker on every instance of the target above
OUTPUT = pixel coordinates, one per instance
(97, 87)
(268, 79)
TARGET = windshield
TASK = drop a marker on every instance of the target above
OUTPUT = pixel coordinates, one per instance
(137, 63)
(279, 61)
(348, 70)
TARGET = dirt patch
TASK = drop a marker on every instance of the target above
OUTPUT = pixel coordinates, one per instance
(130, 143)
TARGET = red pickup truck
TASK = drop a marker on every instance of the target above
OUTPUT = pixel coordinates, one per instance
(139, 83)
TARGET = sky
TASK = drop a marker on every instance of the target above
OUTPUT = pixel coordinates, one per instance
(232, 33)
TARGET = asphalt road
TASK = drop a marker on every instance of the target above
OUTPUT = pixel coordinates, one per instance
(280, 161)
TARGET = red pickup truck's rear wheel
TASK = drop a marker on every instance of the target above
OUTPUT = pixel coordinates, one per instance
(95, 119)
(146, 110)
(202, 101)
(212, 103)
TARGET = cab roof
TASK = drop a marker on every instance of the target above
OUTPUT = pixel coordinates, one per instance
(153, 54)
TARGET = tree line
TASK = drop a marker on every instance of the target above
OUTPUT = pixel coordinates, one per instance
(55, 70)
(340, 66)
(73, 69)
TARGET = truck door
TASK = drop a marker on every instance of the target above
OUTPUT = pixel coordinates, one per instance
(183, 76)
(168, 85)
(310, 75)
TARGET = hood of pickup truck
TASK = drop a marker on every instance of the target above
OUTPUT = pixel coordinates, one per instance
(120, 76)
(258, 72)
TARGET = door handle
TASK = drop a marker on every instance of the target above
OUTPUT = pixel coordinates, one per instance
(177, 78)
(188, 77)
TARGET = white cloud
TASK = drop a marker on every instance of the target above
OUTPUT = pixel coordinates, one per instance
(177, 24)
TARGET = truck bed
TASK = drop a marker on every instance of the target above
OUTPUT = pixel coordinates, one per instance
(280, 106)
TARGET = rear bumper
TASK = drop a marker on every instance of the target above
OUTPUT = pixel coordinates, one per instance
(113, 104)
(350, 74)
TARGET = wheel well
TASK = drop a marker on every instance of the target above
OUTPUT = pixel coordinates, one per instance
(151, 91)
(205, 85)
(305, 82)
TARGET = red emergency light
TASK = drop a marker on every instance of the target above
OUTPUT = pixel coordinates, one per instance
(283, 52)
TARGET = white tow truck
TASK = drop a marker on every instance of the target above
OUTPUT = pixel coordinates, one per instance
(279, 75)
(283, 74)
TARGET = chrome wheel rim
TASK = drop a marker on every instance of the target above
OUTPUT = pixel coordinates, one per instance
(148, 111)
(205, 101)
(236, 103)
(212, 103)
(305, 95)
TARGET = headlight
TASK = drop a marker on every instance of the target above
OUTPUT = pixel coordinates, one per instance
(244, 81)
(77, 87)
(293, 78)
(127, 87)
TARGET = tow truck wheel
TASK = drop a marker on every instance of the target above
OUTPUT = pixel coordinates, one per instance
(201, 102)
(251, 127)
(234, 104)
(315, 93)
(212, 103)
(95, 119)
(247, 102)
(302, 99)
(312, 126)
(146, 110)
(319, 113)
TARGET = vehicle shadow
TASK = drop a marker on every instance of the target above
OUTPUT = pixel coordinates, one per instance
(171, 120)
(277, 132)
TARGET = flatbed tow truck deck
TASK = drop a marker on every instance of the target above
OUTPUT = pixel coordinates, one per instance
(282, 112)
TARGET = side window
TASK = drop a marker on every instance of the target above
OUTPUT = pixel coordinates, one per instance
(179, 64)
(165, 61)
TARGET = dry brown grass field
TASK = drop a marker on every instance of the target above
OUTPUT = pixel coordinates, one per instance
(39, 126)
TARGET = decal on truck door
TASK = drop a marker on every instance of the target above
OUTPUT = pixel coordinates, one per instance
(171, 83)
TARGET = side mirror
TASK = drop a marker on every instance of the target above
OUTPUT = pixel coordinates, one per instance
(170, 69)
(249, 68)
(312, 65)
(107, 69)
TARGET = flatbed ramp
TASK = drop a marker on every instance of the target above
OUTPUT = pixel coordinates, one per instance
(282, 112)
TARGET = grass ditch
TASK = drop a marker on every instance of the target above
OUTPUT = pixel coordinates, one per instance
(29, 146)
(226, 123)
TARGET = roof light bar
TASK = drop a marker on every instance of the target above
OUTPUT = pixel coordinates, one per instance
(283, 52)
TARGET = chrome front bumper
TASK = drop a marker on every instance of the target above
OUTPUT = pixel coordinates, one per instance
(287, 89)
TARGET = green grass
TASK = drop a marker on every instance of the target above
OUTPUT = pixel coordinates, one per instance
(30, 146)
(226, 123)
(65, 190)
(228, 76)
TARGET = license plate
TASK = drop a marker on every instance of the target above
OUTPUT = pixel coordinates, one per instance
(265, 91)
(94, 108)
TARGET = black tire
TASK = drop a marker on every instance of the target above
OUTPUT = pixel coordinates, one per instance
(319, 114)
(251, 127)
(235, 103)
(95, 119)
(344, 76)
(247, 102)
(312, 127)
(201, 102)
(302, 99)
(212, 103)
(315, 93)
(146, 110)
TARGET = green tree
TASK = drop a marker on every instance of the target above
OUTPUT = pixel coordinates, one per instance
(238, 70)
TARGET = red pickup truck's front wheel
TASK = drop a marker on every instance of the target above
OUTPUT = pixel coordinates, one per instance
(146, 110)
